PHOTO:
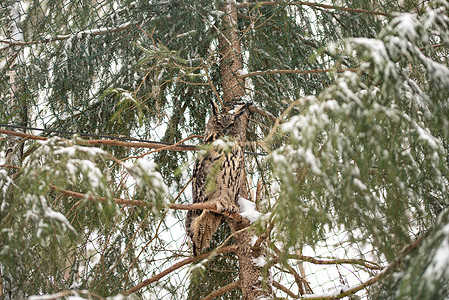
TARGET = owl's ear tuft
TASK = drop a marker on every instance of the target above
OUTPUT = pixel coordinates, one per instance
(215, 108)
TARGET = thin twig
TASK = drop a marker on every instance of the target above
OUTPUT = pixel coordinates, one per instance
(98, 198)
(314, 71)
(313, 4)
(253, 108)
(168, 147)
(362, 262)
(10, 167)
(229, 287)
(284, 289)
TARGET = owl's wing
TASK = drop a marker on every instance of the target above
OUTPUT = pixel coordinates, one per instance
(201, 230)
(202, 168)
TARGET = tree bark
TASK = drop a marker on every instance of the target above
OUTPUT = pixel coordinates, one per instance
(252, 281)
(231, 64)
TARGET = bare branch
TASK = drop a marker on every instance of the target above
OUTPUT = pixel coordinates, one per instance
(229, 287)
(10, 167)
(23, 135)
(177, 266)
(168, 147)
(362, 262)
(208, 206)
(253, 108)
(98, 198)
(313, 4)
(284, 289)
(314, 71)
(111, 142)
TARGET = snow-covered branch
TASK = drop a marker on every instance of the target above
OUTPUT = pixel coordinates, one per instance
(92, 32)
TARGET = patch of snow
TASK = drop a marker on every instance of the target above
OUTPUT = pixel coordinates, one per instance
(312, 161)
(406, 25)
(358, 183)
(199, 265)
(248, 210)
(440, 260)
(260, 261)
(253, 240)
(426, 136)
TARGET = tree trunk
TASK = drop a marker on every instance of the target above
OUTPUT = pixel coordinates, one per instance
(252, 281)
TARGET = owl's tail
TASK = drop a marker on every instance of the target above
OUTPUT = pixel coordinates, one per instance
(202, 229)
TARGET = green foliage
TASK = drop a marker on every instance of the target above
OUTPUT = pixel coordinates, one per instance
(46, 232)
(368, 151)
(366, 155)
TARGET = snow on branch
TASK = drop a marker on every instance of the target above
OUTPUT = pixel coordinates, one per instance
(92, 32)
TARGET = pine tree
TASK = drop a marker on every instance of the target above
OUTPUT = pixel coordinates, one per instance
(349, 100)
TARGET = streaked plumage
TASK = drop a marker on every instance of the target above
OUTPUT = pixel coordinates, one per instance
(217, 175)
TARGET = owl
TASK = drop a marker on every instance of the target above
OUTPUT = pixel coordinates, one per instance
(217, 175)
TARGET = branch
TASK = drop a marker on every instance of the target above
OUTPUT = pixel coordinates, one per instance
(312, 4)
(110, 142)
(177, 266)
(98, 198)
(65, 295)
(300, 282)
(229, 287)
(391, 267)
(92, 32)
(314, 71)
(208, 206)
(362, 262)
(284, 289)
(253, 108)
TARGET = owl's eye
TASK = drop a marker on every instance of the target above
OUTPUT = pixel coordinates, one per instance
(216, 122)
